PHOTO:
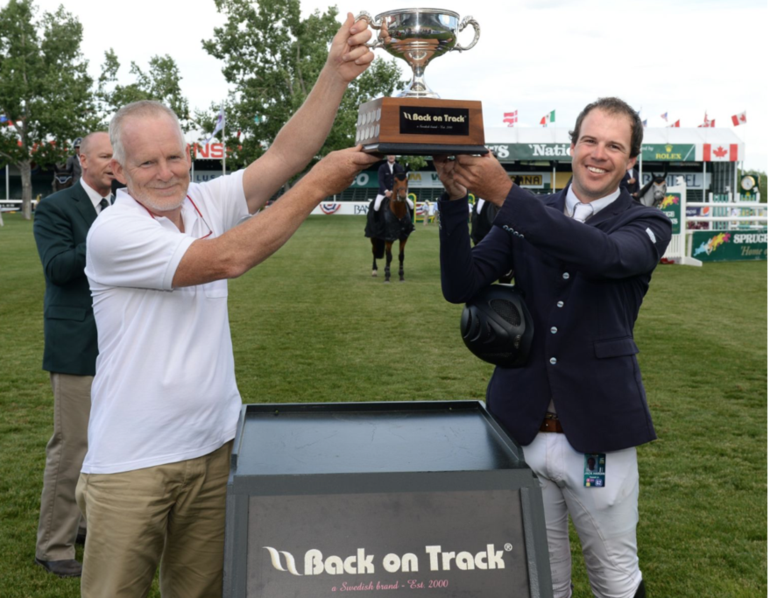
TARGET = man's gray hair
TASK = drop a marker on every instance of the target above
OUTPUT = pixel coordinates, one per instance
(137, 109)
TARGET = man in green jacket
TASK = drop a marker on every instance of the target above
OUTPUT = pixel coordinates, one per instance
(61, 224)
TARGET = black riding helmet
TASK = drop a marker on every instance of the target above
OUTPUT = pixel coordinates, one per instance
(497, 327)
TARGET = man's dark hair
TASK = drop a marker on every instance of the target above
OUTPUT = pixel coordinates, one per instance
(613, 106)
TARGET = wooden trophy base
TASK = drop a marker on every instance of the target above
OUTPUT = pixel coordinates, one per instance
(421, 127)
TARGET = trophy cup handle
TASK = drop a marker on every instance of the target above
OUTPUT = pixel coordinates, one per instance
(377, 43)
(469, 21)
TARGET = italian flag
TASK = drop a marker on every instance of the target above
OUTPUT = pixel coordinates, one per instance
(548, 118)
(720, 153)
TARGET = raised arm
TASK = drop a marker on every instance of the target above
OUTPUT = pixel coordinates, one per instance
(301, 138)
(243, 247)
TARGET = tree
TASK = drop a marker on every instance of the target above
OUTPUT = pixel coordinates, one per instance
(161, 82)
(45, 91)
(272, 57)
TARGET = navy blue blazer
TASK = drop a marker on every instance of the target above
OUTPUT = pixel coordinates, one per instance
(584, 284)
(61, 225)
(385, 177)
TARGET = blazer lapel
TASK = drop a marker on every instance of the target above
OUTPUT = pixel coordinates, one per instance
(83, 203)
(558, 200)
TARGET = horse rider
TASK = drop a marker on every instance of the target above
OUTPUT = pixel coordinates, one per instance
(385, 177)
(73, 162)
(630, 182)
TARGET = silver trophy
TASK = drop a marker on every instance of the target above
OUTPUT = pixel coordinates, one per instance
(418, 35)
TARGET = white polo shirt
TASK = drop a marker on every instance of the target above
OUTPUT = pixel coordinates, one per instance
(165, 386)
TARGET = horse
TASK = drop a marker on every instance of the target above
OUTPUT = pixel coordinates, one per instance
(654, 191)
(62, 178)
(393, 222)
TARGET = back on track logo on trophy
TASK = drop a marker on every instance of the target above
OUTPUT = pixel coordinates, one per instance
(417, 121)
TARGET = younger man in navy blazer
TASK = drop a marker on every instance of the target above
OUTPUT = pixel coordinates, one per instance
(583, 259)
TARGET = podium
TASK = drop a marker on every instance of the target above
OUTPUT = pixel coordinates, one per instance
(382, 499)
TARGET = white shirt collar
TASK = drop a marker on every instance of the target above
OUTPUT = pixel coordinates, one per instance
(597, 204)
(92, 195)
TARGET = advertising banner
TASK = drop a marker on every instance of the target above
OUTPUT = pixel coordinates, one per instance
(693, 180)
(672, 207)
(387, 544)
(668, 152)
(729, 246)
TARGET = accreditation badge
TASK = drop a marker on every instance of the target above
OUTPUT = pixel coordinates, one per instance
(594, 465)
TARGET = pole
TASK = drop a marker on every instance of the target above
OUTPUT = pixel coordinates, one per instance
(224, 143)
(7, 183)
(704, 181)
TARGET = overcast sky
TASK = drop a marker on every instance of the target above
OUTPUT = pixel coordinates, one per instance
(683, 57)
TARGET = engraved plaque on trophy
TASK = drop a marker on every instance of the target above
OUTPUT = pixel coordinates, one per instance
(416, 121)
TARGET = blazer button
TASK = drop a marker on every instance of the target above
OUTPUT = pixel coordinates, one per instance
(565, 276)
(554, 330)
(560, 304)
(552, 360)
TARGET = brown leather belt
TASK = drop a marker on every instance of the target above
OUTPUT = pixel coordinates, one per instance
(551, 423)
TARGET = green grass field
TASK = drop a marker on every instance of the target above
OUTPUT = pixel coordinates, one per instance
(310, 324)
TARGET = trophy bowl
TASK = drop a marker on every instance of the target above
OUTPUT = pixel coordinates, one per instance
(418, 35)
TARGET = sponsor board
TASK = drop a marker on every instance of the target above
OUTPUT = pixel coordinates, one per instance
(341, 208)
(201, 176)
(668, 152)
(724, 246)
(317, 546)
(671, 206)
(692, 180)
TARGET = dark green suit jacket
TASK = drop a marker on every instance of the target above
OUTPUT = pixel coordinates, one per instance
(61, 224)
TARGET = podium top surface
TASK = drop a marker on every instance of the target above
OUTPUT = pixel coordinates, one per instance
(372, 437)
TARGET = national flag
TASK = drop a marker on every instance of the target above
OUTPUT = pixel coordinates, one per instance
(664, 116)
(720, 153)
(739, 119)
(644, 123)
(675, 125)
(707, 124)
(511, 117)
(218, 127)
(548, 118)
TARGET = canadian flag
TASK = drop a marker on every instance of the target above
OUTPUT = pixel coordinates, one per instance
(720, 153)
(707, 124)
(511, 117)
(739, 119)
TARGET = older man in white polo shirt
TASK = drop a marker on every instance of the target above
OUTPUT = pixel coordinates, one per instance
(165, 401)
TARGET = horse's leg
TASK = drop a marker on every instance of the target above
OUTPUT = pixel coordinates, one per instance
(388, 259)
(374, 257)
(401, 246)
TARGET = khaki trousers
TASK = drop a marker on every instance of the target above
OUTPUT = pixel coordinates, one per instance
(59, 513)
(171, 514)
